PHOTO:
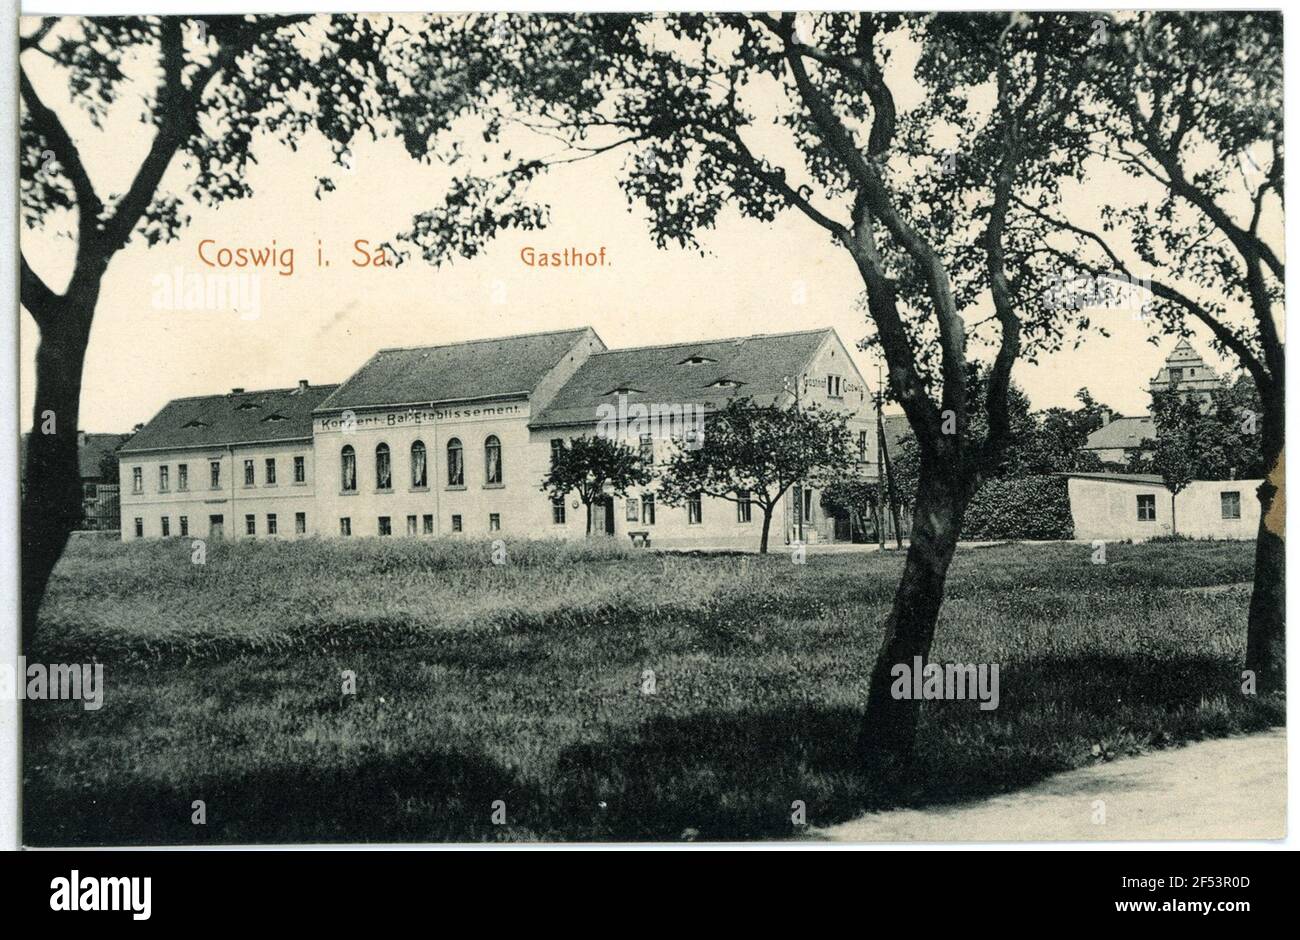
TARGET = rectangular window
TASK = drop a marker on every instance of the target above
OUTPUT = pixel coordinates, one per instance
(833, 388)
(300, 469)
(300, 523)
(214, 471)
(182, 477)
(647, 450)
(633, 510)
(385, 525)
(557, 511)
(428, 524)
(137, 479)
(694, 510)
(250, 524)
(248, 473)
(166, 526)
(412, 525)
(345, 526)
(185, 525)
(139, 527)
(270, 471)
(807, 505)
(744, 507)
(164, 481)
(1230, 503)
(494, 522)
(862, 445)
(557, 448)
(1147, 508)
(455, 524)
(272, 526)
(648, 508)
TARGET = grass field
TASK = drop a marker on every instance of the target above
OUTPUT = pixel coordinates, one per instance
(523, 682)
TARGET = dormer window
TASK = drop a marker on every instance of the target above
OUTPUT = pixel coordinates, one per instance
(696, 361)
(275, 416)
(248, 406)
(196, 423)
(625, 390)
(726, 383)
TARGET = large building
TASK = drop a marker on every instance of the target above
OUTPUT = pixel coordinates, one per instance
(454, 440)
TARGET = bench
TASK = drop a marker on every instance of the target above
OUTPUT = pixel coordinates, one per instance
(640, 539)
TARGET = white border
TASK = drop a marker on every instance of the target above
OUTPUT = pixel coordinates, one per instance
(9, 740)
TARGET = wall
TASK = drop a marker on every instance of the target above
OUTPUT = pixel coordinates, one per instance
(232, 499)
(1107, 509)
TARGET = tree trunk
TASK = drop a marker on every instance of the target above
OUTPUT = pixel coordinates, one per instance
(1173, 514)
(1266, 627)
(51, 507)
(889, 726)
(588, 505)
(767, 525)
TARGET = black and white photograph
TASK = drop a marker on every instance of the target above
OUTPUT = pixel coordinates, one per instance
(797, 429)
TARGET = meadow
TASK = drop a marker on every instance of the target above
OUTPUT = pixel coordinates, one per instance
(596, 691)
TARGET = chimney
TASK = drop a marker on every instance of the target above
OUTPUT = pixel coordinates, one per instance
(81, 439)
(1105, 417)
(302, 386)
(236, 391)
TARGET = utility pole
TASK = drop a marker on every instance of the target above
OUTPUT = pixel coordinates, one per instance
(798, 485)
(887, 471)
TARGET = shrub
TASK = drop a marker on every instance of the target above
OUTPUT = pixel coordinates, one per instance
(1034, 507)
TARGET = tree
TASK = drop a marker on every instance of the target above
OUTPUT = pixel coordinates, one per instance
(594, 467)
(1190, 106)
(754, 454)
(1218, 441)
(931, 230)
(859, 498)
(221, 81)
(1172, 459)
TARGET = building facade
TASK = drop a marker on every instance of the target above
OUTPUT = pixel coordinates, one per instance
(454, 441)
(1114, 506)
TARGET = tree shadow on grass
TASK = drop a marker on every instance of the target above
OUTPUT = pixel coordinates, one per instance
(441, 796)
(708, 775)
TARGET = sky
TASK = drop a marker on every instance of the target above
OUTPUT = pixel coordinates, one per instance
(321, 323)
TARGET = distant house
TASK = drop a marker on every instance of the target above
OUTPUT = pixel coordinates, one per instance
(97, 461)
(1138, 506)
(1119, 438)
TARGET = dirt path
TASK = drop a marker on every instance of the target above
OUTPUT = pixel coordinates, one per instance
(1233, 788)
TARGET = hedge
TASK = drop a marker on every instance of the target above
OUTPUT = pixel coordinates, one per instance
(1036, 507)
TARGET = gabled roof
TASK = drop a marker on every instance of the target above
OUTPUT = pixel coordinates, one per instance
(485, 368)
(683, 374)
(1122, 433)
(276, 414)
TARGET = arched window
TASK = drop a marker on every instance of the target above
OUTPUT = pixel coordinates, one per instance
(349, 468)
(419, 471)
(383, 468)
(455, 463)
(492, 459)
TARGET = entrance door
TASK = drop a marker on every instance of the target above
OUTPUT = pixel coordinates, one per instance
(608, 506)
(216, 527)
